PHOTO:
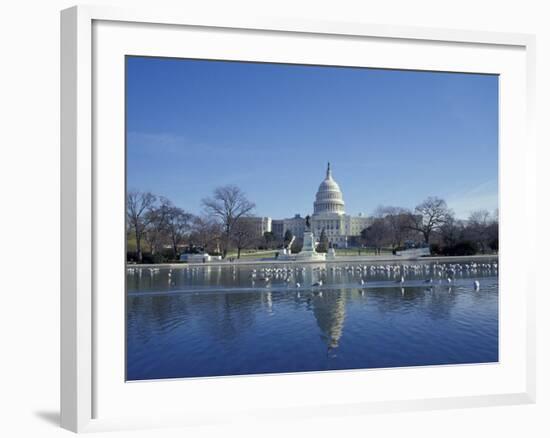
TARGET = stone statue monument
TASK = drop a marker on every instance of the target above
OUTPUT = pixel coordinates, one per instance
(308, 251)
(331, 253)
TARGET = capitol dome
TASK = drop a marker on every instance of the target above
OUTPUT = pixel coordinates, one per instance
(329, 196)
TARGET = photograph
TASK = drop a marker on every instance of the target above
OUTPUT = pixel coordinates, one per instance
(290, 218)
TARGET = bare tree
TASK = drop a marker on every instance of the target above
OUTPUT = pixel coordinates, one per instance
(243, 236)
(138, 204)
(452, 231)
(156, 228)
(205, 233)
(493, 232)
(397, 221)
(228, 204)
(429, 216)
(375, 233)
(178, 225)
(478, 228)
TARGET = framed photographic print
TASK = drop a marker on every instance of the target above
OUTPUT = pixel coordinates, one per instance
(258, 208)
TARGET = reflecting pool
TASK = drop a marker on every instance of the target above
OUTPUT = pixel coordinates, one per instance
(208, 320)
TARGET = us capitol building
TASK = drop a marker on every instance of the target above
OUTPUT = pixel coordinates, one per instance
(329, 214)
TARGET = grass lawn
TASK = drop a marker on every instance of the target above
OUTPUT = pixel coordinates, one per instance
(355, 252)
(342, 252)
(247, 254)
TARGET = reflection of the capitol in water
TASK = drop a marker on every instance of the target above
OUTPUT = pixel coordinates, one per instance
(328, 305)
(329, 309)
(212, 320)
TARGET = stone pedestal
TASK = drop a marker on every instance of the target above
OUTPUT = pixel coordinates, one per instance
(309, 242)
(331, 254)
(308, 249)
(285, 254)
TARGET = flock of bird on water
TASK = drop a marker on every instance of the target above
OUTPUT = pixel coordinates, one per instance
(437, 273)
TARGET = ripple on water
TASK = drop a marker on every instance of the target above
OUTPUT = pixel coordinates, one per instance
(209, 323)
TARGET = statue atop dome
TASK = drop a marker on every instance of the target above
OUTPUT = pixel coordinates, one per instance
(329, 173)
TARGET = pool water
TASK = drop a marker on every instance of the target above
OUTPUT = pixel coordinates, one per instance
(234, 320)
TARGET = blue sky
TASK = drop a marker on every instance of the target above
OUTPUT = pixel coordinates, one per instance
(392, 137)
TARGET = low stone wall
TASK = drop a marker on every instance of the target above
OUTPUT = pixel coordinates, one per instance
(350, 259)
(414, 252)
(199, 258)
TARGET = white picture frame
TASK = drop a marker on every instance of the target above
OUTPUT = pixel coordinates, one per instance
(95, 398)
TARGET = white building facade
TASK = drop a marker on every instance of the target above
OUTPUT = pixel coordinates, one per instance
(296, 225)
(260, 225)
(328, 214)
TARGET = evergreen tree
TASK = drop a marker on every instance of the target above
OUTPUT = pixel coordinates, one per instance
(323, 242)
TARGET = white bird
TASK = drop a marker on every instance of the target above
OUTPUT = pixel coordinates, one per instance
(298, 285)
(476, 285)
(319, 283)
